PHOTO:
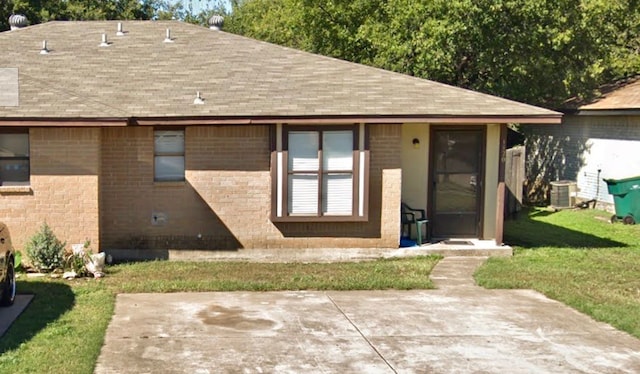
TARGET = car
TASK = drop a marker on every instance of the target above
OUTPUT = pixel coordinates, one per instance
(7, 268)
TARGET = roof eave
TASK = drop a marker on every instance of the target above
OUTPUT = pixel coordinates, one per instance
(608, 112)
(258, 120)
(347, 119)
(64, 122)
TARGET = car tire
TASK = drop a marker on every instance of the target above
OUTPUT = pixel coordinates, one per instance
(9, 289)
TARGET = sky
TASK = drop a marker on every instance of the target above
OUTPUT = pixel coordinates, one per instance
(199, 5)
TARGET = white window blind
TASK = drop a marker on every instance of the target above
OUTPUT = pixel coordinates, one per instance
(303, 187)
(337, 194)
(303, 194)
(169, 155)
(337, 189)
(337, 150)
(303, 151)
(329, 178)
(14, 159)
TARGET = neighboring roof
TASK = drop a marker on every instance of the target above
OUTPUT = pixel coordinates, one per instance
(620, 95)
(139, 76)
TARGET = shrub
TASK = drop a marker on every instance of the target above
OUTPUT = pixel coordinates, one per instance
(45, 250)
(77, 258)
(17, 261)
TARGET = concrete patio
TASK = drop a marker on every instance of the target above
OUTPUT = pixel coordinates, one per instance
(458, 328)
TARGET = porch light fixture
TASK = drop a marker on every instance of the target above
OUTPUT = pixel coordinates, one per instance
(416, 143)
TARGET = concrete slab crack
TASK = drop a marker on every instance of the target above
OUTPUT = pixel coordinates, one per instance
(362, 335)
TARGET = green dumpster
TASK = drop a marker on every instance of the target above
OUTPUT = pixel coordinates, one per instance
(626, 198)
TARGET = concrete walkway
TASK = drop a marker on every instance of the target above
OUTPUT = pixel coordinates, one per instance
(8, 315)
(458, 328)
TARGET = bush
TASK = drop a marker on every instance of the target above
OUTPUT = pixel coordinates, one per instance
(77, 258)
(45, 251)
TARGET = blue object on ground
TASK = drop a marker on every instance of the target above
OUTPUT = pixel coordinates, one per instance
(406, 242)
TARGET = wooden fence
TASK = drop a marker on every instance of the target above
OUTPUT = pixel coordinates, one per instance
(514, 180)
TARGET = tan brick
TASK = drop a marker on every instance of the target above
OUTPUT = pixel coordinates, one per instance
(82, 178)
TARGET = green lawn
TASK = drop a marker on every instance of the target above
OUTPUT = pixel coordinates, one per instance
(576, 257)
(63, 329)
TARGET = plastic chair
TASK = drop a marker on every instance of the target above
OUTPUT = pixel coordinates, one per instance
(418, 217)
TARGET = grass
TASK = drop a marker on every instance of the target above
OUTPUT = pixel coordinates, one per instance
(576, 257)
(63, 329)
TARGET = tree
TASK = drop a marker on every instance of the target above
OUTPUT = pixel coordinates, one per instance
(537, 51)
(38, 11)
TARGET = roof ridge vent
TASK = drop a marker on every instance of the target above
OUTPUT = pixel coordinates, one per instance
(216, 22)
(167, 38)
(44, 50)
(120, 32)
(18, 21)
(104, 42)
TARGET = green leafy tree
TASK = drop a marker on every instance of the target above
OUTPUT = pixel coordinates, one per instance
(535, 51)
(538, 51)
(38, 11)
(185, 10)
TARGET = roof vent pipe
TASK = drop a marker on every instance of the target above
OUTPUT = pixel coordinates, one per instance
(44, 50)
(17, 21)
(198, 100)
(167, 38)
(120, 32)
(216, 22)
(104, 43)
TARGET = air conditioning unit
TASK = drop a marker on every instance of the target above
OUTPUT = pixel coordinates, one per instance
(563, 194)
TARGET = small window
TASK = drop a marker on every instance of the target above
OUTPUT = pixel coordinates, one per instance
(169, 155)
(14, 159)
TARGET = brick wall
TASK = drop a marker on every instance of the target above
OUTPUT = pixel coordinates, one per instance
(225, 201)
(97, 183)
(130, 199)
(63, 189)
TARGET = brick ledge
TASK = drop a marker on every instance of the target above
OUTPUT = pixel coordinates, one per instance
(15, 189)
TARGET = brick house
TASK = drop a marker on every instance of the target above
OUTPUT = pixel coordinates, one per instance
(170, 136)
(598, 140)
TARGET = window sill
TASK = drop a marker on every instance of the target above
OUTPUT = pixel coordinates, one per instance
(170, 183)
(15, 190)
(321, 219)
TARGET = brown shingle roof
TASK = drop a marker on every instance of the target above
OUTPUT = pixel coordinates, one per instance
(140, 76)
(617, 96)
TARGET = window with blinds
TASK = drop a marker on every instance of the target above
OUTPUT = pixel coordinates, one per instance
(320, 174)
(169, 155)
(14, 158)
